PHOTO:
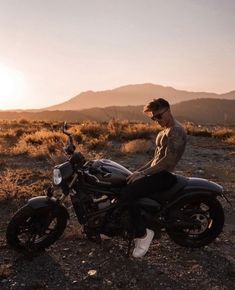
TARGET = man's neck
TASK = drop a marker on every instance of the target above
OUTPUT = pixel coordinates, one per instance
(171, 122)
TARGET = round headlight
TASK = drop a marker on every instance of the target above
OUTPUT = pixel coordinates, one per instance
(57, 177)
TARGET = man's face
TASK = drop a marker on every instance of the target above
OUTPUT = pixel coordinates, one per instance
(162, 116)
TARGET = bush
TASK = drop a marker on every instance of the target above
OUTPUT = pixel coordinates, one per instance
(24, 121)
(138, 145)
(231, 140)
(97, 143)
(93, 129)
(197, 130)
(223, 133)
(39, 143)
(124, 130)
(77, 134)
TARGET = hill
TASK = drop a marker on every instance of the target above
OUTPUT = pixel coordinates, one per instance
(204, 111)
(200, 111)
(132, 95)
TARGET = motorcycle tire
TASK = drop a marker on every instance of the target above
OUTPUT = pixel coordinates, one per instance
(24, 232)
(212, 219)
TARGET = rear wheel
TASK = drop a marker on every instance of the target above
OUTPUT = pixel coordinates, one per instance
(196, 221)
(35, 230)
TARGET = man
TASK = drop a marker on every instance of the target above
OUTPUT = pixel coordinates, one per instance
(155, 176)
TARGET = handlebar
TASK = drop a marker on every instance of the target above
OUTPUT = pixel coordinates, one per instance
(70, 148)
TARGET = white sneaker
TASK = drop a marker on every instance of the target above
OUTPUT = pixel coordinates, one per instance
(142, 245)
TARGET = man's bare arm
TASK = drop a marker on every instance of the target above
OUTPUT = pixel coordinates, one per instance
(173, 152)
(147, 165)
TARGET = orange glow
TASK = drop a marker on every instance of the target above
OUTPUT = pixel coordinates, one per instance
(12, 87)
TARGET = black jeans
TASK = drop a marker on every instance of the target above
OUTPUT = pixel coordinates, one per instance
(144, 187)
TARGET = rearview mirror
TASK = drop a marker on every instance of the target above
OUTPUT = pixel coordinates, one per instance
(65, 126)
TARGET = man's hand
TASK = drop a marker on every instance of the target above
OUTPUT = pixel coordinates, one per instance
(134, 176)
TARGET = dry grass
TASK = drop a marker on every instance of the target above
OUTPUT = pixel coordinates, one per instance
(97, 143)
(222, 133)
(93, 129)
(23, 183)
(231, 140)
(26, 145)
(197, 130)
(39, 143)
(124, 130)
(41, 139)
(136, 146)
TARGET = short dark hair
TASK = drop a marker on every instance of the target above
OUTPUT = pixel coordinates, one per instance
(156, 104)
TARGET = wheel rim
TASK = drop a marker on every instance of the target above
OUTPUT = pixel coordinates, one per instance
(34, 230)
(204, 224)
(203, 217)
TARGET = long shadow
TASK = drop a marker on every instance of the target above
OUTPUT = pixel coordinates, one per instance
(75, 263)
(41, 272)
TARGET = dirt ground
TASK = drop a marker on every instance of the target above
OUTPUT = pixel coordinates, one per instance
(76, 263)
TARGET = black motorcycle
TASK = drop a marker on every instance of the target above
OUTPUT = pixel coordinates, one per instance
(189, 211)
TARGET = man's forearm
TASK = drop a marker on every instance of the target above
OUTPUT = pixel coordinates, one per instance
(151, 170)
(163, 164)
(147, 165)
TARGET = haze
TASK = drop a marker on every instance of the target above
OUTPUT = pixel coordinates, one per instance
(52, 50)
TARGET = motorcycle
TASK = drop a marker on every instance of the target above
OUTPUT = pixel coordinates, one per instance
(189, 212)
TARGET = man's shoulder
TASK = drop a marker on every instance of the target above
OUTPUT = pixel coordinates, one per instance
(177, 129)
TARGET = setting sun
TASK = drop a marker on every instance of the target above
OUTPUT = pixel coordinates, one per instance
(12, 87)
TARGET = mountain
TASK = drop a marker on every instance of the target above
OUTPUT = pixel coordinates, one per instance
(132, 95)
(200, 111)
(206, 111)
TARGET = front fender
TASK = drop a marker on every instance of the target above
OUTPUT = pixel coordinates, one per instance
(47, 203)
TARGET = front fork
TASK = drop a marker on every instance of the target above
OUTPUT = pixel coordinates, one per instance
(79, 208)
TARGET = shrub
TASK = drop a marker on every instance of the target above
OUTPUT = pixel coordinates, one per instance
(77, 134)
(92, 129)
(124, 130)
(197, 130)
(138, 145)
(39, 143)
(24, 121)
(97, 143)
(115, 128)
(19, 132)
(231, 140)
(223, 133)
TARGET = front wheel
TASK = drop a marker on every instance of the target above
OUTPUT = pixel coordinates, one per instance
(196, 221)
(34, 230)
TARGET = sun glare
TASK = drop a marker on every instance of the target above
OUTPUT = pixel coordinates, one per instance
(12, 88)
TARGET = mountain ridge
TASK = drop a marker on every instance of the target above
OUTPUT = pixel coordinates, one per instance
(135, 94)
(200, 111)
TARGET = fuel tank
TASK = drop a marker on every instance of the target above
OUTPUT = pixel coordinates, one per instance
(109, 172)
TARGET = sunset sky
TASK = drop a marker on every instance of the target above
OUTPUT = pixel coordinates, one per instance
(52, 50)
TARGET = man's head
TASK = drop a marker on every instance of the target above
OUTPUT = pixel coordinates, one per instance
(159, 110)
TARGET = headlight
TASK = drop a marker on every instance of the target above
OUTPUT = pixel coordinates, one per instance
(57, 177)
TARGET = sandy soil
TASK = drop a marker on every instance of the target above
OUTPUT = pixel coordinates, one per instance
(76, 263)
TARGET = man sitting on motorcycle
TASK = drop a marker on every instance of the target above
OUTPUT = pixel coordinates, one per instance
(155, 176)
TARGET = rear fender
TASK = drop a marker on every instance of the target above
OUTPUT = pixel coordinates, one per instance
(48, 204)
(202, 185)
(187, 196)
